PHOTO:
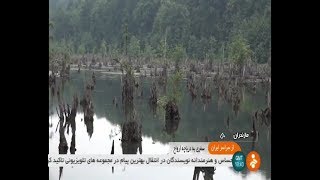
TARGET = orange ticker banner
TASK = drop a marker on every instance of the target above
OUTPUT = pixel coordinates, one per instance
(223, 147)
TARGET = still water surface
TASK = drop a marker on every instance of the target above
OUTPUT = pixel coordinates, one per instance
(197, 121)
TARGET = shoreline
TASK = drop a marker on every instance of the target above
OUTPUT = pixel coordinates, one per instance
(114, 70)
(250, 79)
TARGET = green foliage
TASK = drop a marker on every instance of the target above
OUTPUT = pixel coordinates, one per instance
(172, 21)
(134, 47)
(162, 101)
(81, 49)
(212, 49)
(178, 54)
(174, 90)
(144, 15)
(60, 52)
(148, 51)
(174, 87)
(239, 50)
(261, 44)
(201, 27)
(162, 49)
(103, 48)
(114, 51)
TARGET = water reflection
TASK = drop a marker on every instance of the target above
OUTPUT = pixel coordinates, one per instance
(112, 152)
(87, 106)
(73, 124)
(108, 118)
(153, 99)
(63, 145)
(66, 119)
(131, 128)
(131, 139)
(207, 172)
(100, 144)
(172, 118)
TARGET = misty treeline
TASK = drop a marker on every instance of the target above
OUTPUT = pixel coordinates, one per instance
(211, 30)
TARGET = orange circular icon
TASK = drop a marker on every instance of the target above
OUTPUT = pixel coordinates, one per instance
(253, 161)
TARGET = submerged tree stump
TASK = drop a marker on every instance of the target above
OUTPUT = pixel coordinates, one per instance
(263, 116)
(154, 97)
(206, 93)
(93, 78)
(131, 137)
(172, 117)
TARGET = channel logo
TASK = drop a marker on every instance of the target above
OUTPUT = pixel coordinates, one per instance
(238, 161)
(253, 161)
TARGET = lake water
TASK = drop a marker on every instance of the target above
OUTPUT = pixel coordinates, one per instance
(197, 122)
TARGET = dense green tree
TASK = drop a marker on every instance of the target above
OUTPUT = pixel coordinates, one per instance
(172, 21)
(134, 47)
(178, 54)
(239, 51)
(149, 52)
(81, 49)
(202, 27)
(103, 48)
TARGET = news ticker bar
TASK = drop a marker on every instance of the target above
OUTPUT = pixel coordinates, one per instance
(200, 160)
(199, 154)
(180, 153)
